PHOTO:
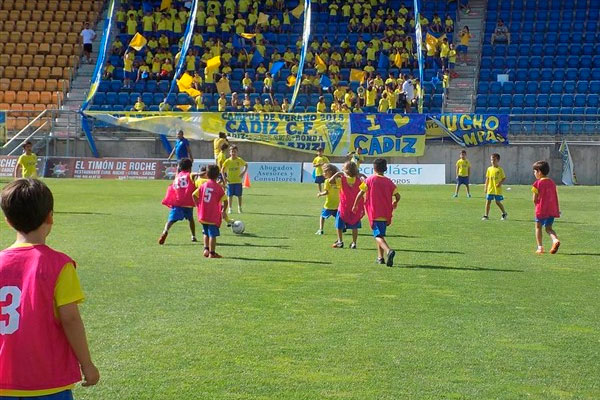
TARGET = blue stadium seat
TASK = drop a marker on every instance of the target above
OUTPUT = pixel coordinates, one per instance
(104, 86)
(487, 50)
(99, 98)
(585, 62)
(486, 62)
(558, 74)
(517, 110)
(493, 100)
(562, 50)
(495, 88)
(133, 96)
(534, 74)
(567, 100)
(585, 74)
(594, 87)
(518, 100)
(536, 50)
(554, 100)
(546, 74)
(157, 98)
(592, 100)
(508, 88)
(151, 86)
(542, 100)
(573, 61)
(582, 87)
(569, 87)
(545, 87)
(529, 110)
(579, 100)
(116, 85)
(571, 74)
(485, 75)
(521, 87)
(511, 62)
(481, 100)
(139, 86)
(579, 110)
(123, 98)
(560, 62)
(163, 86)
(512, 50)
(523, 62)
(499, 50)
(483, 87)
(524, 50)
(595, 74)
(147, 98)
(556, 87)
(532, 87)
(153, 107)
(548, 62)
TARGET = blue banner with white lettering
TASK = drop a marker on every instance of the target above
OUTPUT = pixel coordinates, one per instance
(470, 130)
(388, 134)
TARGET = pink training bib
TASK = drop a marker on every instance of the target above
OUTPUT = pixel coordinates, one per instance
(378, 199)
(347, 196)
(179, 193)
(210, 208)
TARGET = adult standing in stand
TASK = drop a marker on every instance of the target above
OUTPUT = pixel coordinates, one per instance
(88, 36)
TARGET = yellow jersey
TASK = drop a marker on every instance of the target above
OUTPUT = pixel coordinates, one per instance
(332, 198)
(463, 167)
(217, 143)
(201, 181)
(319, 160)
(494, 176)
(221, 157)
(28, 165)
(233, 167)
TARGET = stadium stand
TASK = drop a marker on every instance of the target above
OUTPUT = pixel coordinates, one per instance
(338, 29)
(39, 51)
(553, 62)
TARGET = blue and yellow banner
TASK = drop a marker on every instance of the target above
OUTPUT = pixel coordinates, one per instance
(389, 134)
(469, 130)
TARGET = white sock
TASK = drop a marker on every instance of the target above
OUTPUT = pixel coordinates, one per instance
(540, 247)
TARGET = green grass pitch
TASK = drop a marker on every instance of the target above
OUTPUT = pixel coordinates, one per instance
(468, 312)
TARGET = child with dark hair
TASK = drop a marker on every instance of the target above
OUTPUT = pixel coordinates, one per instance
(180, 200)
(43, 345)
(378, 192)
(211, 201)
(545, 199)
(494, 178)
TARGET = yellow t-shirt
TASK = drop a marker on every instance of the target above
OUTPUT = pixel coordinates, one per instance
(463, 167)
(217, 143)
(221, 157)
(28, 165)
(148, 23)
(201, 181)
(222, 104)
(233, 167)
(494, 175)
(370, 97)
(464, 39)
(128, 62)
(321, 107)
(444, 49)
(131, 26)
(384, 105)
(332, 198)
(319, 160)
(67, 291)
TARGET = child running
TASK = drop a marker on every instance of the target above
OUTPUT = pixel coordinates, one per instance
(463, 170)
(180, 200)
(349, 184)
(494, 178)
(332, 196)
(545, 200)
(211, 201)
(318, 163)
(233, 170)
(43, 345)
(378, 191)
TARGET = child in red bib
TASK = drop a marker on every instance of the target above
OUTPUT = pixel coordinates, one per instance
(378, 192)
(545, 200)
(43, 346)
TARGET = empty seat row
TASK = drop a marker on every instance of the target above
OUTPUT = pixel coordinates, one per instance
(44, 26)
(34, 49)
(17, 18)
(540, 100)
(51, 5)
(31, 97)
(40, 85)
(544, 74)
(514, 50)
(543, 87)
(519, 14)
(549, 37)
(27, 60)
(539, 4)
(541, 62)
(11, 72)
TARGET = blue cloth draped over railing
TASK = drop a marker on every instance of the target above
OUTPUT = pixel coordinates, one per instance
(419, 41)
(305, 37)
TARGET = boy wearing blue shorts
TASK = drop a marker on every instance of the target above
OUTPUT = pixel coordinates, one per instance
(318, 163)
(233, 170)
(494, 178)
(463, 170)
(332, 197)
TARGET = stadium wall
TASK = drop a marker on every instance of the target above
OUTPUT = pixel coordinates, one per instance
(516, 159)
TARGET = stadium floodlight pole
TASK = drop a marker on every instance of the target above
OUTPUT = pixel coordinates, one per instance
(419, 41)
(305, 37)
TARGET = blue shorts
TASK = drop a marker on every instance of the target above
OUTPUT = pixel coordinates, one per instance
(319, 179)
(462, 180)
(128, 74)
(325, 213)
(545, 221)
(64, 395)
(451, 65)
(340, 224)
(497, 197)
(181, 213)
(234, 189)
(461, 48)
(210, 230)
(379, 228)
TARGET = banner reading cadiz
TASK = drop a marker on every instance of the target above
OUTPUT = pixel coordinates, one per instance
(387, 135)
(469, 130)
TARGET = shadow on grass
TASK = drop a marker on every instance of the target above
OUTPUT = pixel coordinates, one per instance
(282, 246)
(419, 251)
(478, 269)
(80, 213)
(283, 215)
(581, 254)
(387, 236)
(280, 260)
(263, 237)
(561, 222)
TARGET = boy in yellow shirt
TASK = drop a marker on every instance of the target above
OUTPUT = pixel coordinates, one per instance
(494, 178)
(463, 170)
(27, 163)
(233, 170)
(332, 196)
(318, 163)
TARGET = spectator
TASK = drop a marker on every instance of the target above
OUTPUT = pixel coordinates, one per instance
(88, 36)
(501, 33)
(139, 105)
(182, 148)
(109, 70)
(247, 83)
(222, 103)
(409, 93)
(463, 47)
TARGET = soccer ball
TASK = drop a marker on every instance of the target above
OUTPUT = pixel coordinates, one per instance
(238, 227)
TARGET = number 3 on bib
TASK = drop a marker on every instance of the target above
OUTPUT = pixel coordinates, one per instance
(11, 325)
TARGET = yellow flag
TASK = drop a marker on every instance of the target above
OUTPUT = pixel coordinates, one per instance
(262, 19)
(223, 86)
(184, 107)
(213, 63)
(248, 35)
(398, 60)
(431, 41)
(164, 4)
(297, 12)
(193, 92)
(291, 80)
(185, 82)
(356, 75)
(319, 61)
(138, 42)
